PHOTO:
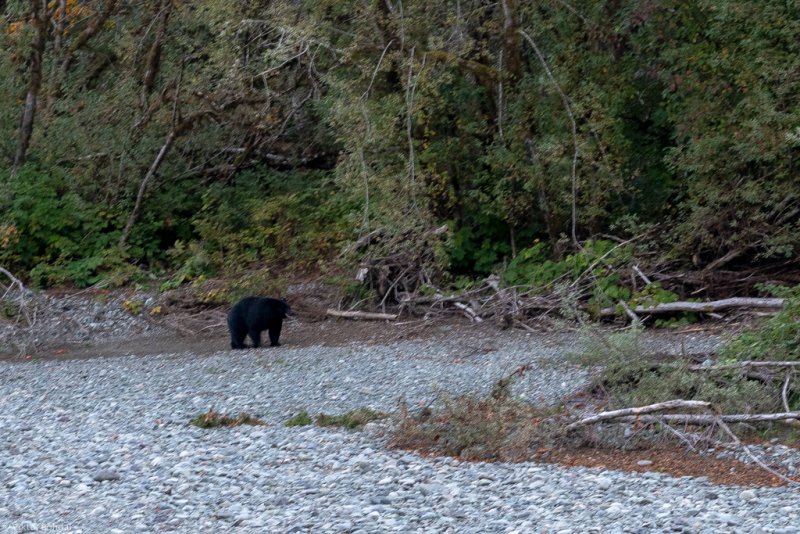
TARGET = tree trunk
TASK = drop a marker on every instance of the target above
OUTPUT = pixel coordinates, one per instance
(94, 26)
(123, 240)
(153, 62)
(511, 48)
(40, 16)
(641, 410)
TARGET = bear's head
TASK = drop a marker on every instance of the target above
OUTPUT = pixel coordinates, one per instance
(285, 308)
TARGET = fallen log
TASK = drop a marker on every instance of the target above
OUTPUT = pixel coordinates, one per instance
(636, 412)
(362, 315)
(704, 307)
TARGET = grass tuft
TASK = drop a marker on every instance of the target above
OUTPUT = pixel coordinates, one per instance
(213, 419)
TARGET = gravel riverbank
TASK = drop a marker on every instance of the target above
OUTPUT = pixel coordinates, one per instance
(103, 446)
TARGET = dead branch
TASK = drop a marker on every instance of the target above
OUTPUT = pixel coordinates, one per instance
(785, 398)
(744, 364)
(641, 275)
(650, 408)
(747, 450)
(707, 419)
(468, 311)
(629, 312)
(601, 258)
(361, 315)
(704, 307)
(21, 303)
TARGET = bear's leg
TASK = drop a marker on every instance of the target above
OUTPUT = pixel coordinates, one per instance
(238, 334)
(275, 333)
(255, 335)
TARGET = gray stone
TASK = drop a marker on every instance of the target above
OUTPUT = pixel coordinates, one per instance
(105, 475)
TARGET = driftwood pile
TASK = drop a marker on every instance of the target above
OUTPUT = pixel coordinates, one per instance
(403, 279)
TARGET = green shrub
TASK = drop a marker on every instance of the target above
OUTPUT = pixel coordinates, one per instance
(532, 267)
(271, 217)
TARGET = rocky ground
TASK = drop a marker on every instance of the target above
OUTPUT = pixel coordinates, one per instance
(95, 439)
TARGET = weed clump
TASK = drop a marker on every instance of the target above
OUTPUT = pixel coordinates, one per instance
(496, 428)
(213, 419)
(352, 419)
(301, 419)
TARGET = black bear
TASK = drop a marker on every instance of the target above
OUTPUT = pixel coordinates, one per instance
(252, 315)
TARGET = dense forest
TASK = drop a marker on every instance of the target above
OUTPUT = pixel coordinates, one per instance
(525, 139)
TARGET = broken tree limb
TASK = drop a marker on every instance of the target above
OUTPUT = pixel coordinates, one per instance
(641, 275)
(707, 419)
(747, 450)
(362, 315)
(744, 364)
(785, 398)
(469, 312)
(704, 307)
(634, 413)
(629, 312)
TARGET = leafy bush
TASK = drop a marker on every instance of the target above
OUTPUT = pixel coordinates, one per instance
(498, 427)
(271, 217)
(48, 231)
(532, 267)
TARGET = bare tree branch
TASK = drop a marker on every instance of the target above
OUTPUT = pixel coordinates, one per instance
(361, 315)
(650, 408)
(704, 307)
(747, 450)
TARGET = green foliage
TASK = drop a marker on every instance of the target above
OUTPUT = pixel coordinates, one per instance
(777, 338)
(301, 419)
(685, 121)
(479, 247)
(271, 217)
(52, 233)
(134, 307)
(192, 263)
(533, 268)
